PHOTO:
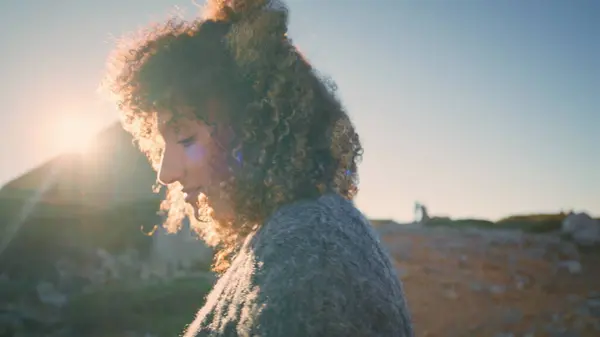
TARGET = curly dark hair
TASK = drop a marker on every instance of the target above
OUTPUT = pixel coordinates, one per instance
(292, 135)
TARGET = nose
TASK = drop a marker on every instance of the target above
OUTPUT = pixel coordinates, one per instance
(171, 170)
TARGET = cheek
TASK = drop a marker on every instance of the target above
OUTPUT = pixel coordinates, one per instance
(196, 154)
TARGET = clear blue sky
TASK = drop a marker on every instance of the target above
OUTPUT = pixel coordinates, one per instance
(476, 108)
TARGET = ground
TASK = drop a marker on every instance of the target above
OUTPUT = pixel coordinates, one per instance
(496, 283)
(459, 281)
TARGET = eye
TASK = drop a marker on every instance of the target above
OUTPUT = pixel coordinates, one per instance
(187, 141)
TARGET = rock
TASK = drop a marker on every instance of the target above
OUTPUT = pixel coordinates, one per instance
(536, 252)
(504, 334)
(594, 307)
(554, 330)
(582, 228)
(475, 286)
(579, 323)
(503, 237)
(462, 261)
(513, 316)
(573, 266)
(451, 294)
(497, 289)
(594, 294)
(593, 302)
(569, 250)
(522, 281)
(555, 317)
(48, 294)
(108, 264)
(583, 311)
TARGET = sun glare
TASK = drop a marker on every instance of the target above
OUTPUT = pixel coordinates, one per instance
(74, 135)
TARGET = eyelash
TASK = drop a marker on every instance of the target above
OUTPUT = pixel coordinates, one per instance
(188, 141)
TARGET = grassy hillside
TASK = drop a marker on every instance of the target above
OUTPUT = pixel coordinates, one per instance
(162, 309)
(533, 223)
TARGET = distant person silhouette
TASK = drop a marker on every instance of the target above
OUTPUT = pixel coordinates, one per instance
(257, 150)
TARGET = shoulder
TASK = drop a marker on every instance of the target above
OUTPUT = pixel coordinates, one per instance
(314, 237)
(328, 218)
(323, 271)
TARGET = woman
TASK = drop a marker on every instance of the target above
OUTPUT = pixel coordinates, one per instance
(256, 149)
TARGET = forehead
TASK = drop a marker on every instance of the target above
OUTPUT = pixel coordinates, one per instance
(174, 122)
(183, 116)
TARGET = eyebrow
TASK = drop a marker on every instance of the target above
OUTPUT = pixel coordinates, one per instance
(171, 123)
(164, 125)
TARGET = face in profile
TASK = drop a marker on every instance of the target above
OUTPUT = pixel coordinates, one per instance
(194, 157)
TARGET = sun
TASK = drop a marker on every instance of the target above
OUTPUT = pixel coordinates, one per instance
(74, 135)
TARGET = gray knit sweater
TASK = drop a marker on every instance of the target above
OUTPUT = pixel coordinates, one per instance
(316, 268)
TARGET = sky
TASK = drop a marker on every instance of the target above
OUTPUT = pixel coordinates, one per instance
(474, 108)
